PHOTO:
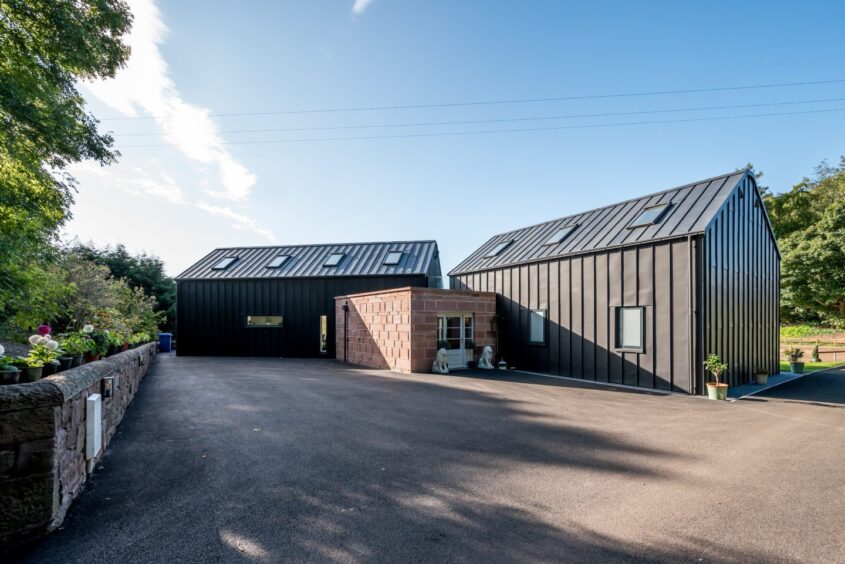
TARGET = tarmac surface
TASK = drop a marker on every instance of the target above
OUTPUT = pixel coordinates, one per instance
(268, 460)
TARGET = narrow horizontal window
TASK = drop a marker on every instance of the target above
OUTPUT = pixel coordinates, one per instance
(630, 328)
(278, 261)
(334, 259)
(560, 235)
(537, 327)
(650, 216)
(393, 258)
(497, 250)
(264, 321)
(224, 263)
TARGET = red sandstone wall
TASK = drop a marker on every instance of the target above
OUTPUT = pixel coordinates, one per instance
(397, 329)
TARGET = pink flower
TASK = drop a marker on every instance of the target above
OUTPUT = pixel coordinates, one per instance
(44, 329)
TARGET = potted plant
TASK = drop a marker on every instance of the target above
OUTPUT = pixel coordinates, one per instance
(9, 374)
(762, 376)
(716, 390)
(794, 356)
(814, 356)
(75, 346)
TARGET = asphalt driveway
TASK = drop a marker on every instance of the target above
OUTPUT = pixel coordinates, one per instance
(261, 460)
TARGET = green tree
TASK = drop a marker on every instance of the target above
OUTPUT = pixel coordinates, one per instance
(813, 267)
(46, 46)
(139, 271)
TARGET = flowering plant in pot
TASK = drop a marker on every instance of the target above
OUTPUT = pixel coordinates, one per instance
(9, 373)
(42, 352)
(794, 357)
(716, 390)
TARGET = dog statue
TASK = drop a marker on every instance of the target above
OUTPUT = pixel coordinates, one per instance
(486, 360)
(441, 364)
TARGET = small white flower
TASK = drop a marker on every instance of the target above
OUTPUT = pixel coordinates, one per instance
(52, 346)
(88, 329)
(2, 351)
(35, 339)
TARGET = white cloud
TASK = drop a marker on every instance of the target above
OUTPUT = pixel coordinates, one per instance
(360, 6)
(238, 221)
(145, 86)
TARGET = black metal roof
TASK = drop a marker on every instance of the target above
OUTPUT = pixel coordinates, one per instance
(691, 207)
(307, 261)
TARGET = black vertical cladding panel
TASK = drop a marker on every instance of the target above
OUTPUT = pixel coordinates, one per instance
(680, 316)
(662, 332)
(588, 314)
(741, 296)
(555, 329)
(566, 317)
(211, 314)
(602, 342)
(577, 323)
(614, 301)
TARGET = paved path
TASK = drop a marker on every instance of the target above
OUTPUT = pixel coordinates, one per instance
(260, 460)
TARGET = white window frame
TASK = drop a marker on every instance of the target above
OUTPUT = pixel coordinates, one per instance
(619, 342)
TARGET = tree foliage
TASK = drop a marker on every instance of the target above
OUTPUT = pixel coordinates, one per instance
(139, 271)
(809, 221)
(46, 46)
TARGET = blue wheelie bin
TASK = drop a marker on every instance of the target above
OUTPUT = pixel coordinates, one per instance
(165, 342)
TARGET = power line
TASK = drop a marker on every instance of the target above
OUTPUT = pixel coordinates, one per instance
(509, 101)
(481, 132)
(503, 120)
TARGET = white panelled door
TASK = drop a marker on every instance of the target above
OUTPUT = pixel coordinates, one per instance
(455, 332)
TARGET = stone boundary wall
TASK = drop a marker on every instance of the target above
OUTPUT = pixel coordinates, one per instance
(42, 440)
(397, 329)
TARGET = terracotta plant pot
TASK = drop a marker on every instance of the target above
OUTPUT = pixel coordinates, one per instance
(9, 375)
(762, 378)
(717, 391)
(91, 357)
(796, 367)
(125, 347)
(33, 373)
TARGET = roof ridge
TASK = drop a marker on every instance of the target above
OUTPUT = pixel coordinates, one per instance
(599, 208)
(303, 245)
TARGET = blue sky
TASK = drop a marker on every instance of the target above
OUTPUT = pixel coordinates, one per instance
(199, 186)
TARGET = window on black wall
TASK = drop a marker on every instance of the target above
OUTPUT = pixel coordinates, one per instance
(630, 328)
(537, 327)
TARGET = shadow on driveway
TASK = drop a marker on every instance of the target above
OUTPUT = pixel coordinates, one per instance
(260, 460)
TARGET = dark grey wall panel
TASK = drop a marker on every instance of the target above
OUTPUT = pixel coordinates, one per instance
(740, 288)
(580, 294)
(211, 314)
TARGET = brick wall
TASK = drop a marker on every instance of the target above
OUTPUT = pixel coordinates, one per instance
(42, 440)
(397, 329)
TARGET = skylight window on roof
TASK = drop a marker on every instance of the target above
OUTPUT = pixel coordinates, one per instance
(393, 258)
(334, 259)
(650, 215)
(497, 250)
(224, 263)
(278, 261)
(560, 235)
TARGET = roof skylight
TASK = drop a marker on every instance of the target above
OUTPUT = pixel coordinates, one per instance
(560, 235)
(334, 259)
(650, 215)
(497, 250)
(278, 261)
(393, 258)
(224, 263)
